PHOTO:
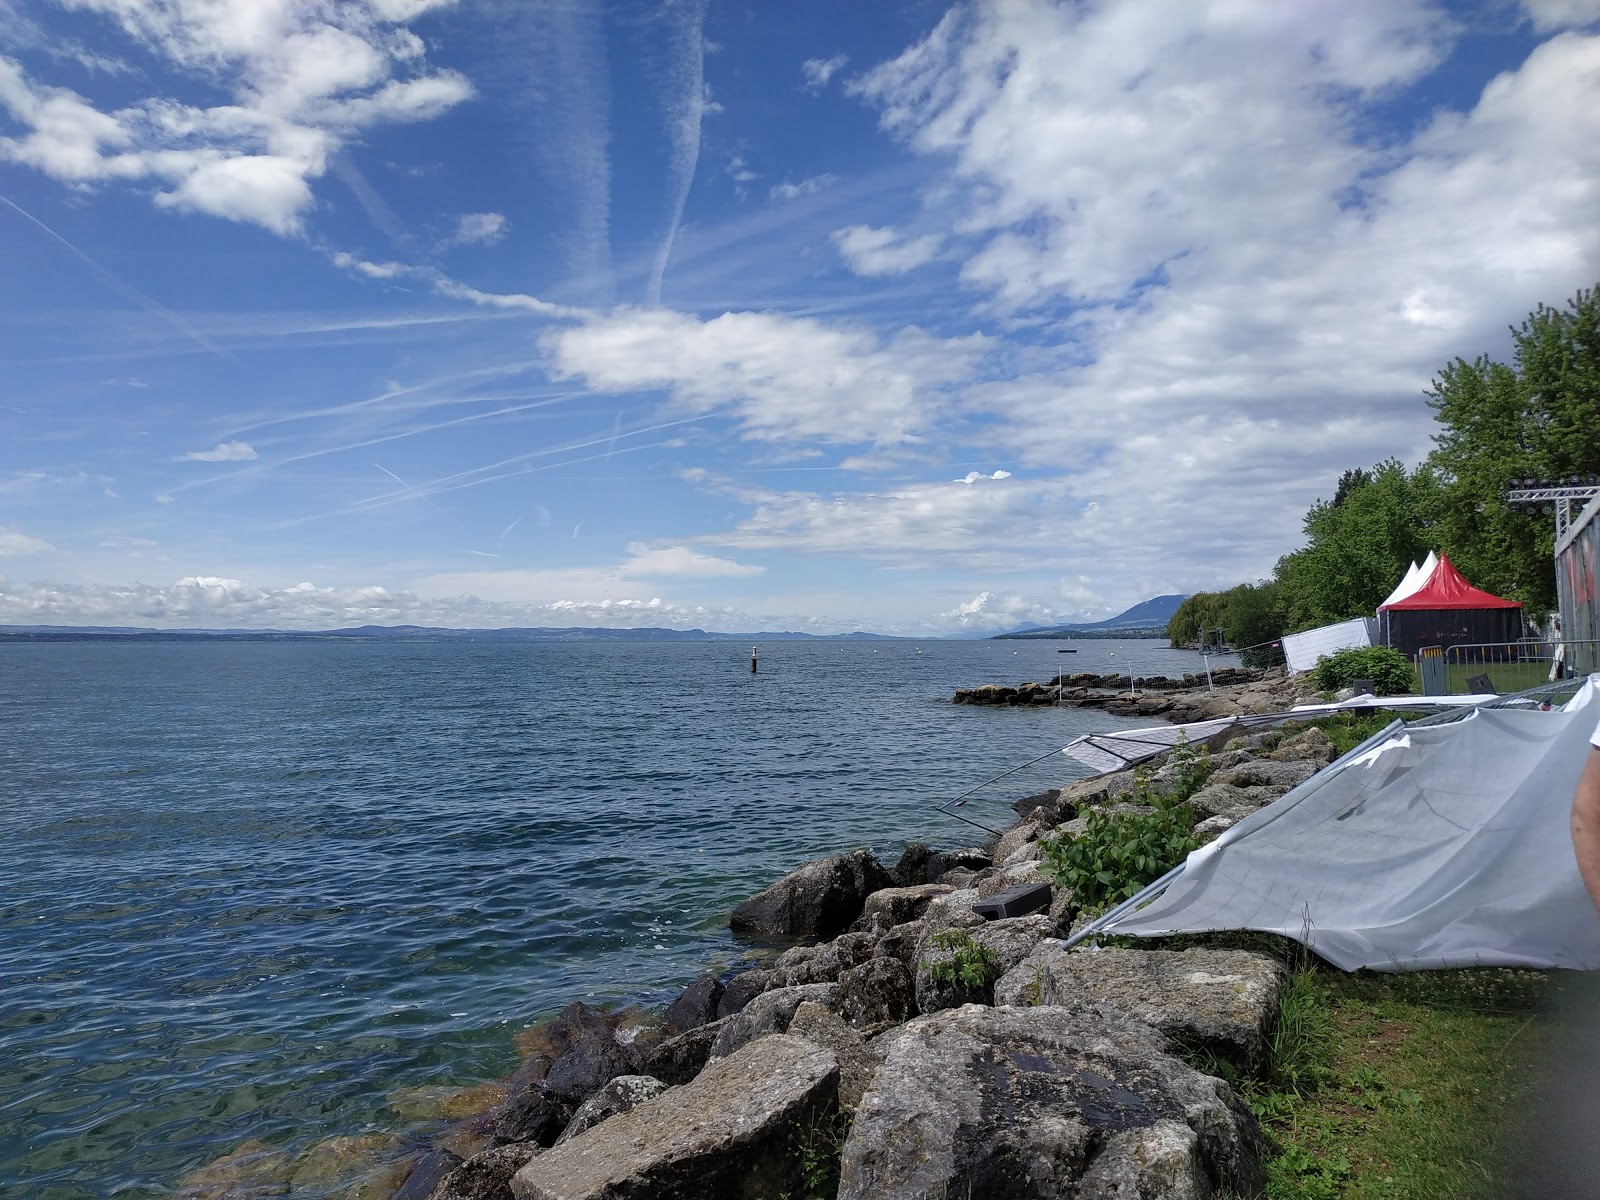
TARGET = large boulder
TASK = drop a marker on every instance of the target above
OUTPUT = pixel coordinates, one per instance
(486, 1176)
(1023, 874)
(1268, 773)
(621, 1094)
(1218, 1002)
(769, 1013)
(679, 1059)
(878, 993)
(696, 1005)
(1018, 836)
(911, 868)
(427, 1171)
(986, 951)
(1311, 745)
(897, 905)
(1227, 800)
(1043, 1102)
(817, 900)
(729, 1135)
(822, 964)
(858, 1059)
(743, 988)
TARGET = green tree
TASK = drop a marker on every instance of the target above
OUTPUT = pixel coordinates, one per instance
(1358, 545)
(1538, 418)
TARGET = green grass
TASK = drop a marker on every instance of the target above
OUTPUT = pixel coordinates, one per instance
(1399, 1086)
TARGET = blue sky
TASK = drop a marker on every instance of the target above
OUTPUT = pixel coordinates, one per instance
(908, 317)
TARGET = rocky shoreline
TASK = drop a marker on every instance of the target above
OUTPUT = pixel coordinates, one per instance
(1231, 691)
(925, 1034)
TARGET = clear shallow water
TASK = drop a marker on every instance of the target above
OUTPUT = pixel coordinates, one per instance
(248, 889)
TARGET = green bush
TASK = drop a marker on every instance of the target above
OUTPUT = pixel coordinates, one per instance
(971, 965)
(1389, 670)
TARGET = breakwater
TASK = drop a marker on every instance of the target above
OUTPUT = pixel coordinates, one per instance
(895, 976)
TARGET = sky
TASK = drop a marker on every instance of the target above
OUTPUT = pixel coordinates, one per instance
(904, 317)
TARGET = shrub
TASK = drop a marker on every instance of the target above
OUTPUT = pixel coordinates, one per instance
(971, 966)
(1117, 854)
(1389, 670)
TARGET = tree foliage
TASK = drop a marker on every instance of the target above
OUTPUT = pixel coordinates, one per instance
(1537, 417)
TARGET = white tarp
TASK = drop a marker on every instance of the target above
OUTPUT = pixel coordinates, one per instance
(1443, 846)
(1404, 588)
(1301, 650)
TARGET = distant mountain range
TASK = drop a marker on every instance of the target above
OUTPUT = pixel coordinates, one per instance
(404, 633)
(1148, 617)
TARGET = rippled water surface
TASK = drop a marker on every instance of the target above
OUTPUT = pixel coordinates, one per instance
(247, 890)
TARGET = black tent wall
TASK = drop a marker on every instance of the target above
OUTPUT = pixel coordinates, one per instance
(1411, 629)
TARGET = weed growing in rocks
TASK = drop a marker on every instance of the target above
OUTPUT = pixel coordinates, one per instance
(820, 1143)
(971, 966)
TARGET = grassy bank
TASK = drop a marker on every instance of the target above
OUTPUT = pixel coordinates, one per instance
(1402, 1086)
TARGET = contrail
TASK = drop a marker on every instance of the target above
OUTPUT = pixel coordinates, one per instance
(132, 293)
(420, 495)
(683, 125)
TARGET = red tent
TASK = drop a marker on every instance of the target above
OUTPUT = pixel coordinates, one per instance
(1449, 611)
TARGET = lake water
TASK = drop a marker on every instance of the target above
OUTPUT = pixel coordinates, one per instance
(247, 890)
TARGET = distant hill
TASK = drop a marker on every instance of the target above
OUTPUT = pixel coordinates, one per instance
(404, 633)
(1146, 619)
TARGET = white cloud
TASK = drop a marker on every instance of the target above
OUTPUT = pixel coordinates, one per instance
(870, 251)
(992, 610)
(682, 561)
(15, 542)
(223, 452)
(818, 71)
(975, 476)
(372, 270)
(781, 377)
(1548, 15)
(303, 79)
(806, 187)
(477, 229)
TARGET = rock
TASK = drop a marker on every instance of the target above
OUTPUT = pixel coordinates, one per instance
(1312, 745)
(1218, 1002)
(679, 1059)
(618, 1096)
(1264, 771)
(1212, 828)
(597, 1058)
(954, 910)
(911, 869)
(902, 904)
(1018, 836)
(1048, 801)
(466, 1138)
(817, 900)
(695, 1005)
(432, 1102)
(901, 943)
(486, 1176)
(1223, 800)
(1021, 875)
(822, 964)
(743, 988)
(769, 1013)
(427, 1169)
(1000, 944)
(729, 1134)
(971, 858)
(1036, 1103)
(530, 1113)
(1026, 853)
(1097, 789)
(858, 1061)
(1257, 743)
(958, 877)
(1063, 910)
(880, 992)
(339, 1156)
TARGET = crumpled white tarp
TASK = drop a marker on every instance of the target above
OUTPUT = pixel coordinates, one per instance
(1445, 846)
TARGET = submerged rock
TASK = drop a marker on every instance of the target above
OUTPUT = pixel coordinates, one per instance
(427, 1171)
(729, 1135)
(1041, 1103)
(818, 900)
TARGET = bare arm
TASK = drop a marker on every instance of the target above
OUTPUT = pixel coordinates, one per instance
(1586, 825)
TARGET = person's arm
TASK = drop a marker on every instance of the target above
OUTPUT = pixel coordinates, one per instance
(1586, 824)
